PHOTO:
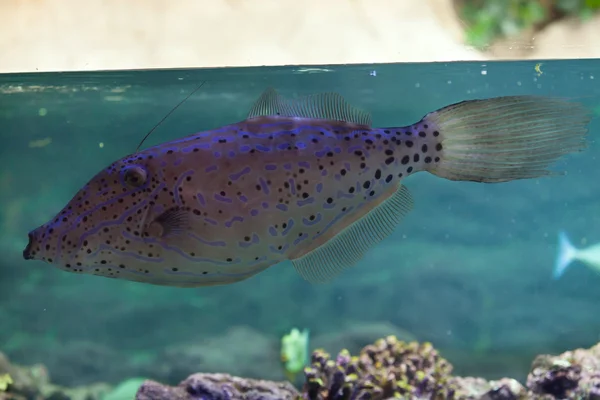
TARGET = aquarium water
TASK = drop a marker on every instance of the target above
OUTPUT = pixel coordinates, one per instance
(470, 269)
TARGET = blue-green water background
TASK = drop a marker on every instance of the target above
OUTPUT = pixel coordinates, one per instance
(469, 269)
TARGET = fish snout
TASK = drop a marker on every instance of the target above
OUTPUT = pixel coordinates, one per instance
(27, 252)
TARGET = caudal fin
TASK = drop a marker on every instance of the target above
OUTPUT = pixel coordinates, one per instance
(565, 256)
(505, 138)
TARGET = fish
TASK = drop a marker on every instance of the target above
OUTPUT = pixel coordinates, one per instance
(295, 352)
(567, 254)
(307, 180)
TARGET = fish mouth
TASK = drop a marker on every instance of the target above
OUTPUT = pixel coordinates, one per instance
(27, 252)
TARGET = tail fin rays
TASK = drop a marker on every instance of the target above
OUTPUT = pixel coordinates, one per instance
(506, 138)
(565, 256)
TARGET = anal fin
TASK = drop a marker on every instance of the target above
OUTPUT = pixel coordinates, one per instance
(347, 247)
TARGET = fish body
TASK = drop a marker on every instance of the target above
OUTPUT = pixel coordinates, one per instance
(307, 180)
(295, 352)
(568, 253)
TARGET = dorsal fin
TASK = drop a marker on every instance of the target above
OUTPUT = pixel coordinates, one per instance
(331, 106)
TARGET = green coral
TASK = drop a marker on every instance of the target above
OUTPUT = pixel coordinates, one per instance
(387, 369)
(488, 20)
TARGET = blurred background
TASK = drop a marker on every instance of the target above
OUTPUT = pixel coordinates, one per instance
(48, 35)
(470, 270)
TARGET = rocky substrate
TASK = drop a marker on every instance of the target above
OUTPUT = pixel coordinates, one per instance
(395, 369)
(389, 368)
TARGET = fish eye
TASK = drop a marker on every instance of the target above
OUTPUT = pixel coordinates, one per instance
(134, 176)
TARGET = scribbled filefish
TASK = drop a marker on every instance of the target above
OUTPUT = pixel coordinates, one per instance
(307, 180)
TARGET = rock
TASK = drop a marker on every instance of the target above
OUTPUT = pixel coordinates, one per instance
(218, 387)
(469, 388)
(570, 375)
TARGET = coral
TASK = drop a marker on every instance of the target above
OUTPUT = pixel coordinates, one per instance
(218, 387)
(388, 368)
